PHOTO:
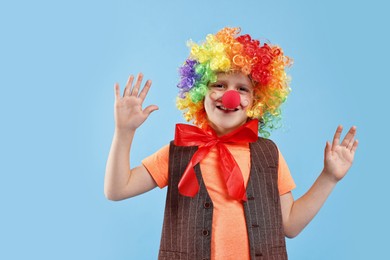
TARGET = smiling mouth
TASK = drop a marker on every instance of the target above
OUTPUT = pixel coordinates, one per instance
(227, 109)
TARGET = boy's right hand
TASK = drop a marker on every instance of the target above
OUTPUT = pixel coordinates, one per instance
(128, 111)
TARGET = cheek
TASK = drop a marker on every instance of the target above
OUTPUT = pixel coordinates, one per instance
(215, 95)
(207, 102)
(250, 99)
(246, 100)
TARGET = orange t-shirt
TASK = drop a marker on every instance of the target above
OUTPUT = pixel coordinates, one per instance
(228, 225)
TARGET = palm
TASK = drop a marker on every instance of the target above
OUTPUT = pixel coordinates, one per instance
(339, 156)
(129, 114)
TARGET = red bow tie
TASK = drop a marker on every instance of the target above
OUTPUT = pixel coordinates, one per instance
(188, 135)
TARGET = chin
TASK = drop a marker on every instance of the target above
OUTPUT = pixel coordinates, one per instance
(224, 126)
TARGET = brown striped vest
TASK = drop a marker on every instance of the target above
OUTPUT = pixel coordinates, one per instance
(187, 224)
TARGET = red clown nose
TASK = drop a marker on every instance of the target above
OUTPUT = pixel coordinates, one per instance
(231, 99)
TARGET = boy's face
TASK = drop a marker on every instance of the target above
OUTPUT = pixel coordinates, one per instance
(224, 120)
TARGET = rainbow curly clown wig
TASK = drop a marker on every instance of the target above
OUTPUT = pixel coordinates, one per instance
(227, 51)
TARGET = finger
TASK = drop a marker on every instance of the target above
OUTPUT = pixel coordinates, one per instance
(355, 145)
(128, 85)
(149, 109)
(350, 144)
(145, 90)
(327, 148)
(117, 91)
(336, 138)
(349, 136)
(137, 85)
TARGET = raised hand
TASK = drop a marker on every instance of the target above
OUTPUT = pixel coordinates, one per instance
(128, 111)
(339, 156)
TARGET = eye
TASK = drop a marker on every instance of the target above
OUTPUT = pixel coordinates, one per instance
(243, 89)
(218, 86)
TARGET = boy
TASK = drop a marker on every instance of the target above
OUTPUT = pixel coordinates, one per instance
(229, 192)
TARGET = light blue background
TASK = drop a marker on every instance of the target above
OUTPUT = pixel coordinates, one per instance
(59, 61)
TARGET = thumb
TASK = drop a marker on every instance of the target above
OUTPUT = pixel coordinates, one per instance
(149, 109)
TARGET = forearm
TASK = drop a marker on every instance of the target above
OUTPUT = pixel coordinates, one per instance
(305, 208)
(118, 165)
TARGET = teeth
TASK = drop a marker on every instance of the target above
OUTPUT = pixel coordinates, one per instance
(226, 109)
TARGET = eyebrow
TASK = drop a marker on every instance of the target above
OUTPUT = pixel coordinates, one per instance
(238, 83)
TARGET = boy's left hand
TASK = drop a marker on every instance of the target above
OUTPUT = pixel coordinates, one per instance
(339, 156)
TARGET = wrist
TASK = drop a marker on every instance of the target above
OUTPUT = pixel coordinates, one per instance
(328, 177)
(124, 134)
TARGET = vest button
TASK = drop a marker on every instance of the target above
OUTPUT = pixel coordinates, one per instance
(251, 198)
(207, 205)
(205, 232)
